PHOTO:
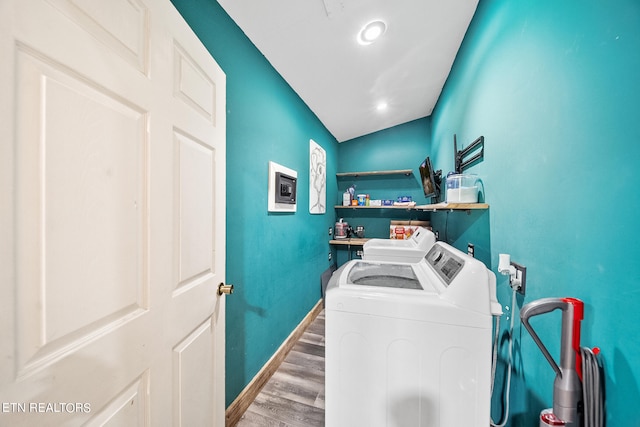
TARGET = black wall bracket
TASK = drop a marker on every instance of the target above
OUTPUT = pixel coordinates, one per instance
(460, 162)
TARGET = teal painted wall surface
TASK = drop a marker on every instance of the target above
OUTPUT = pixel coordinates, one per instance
(554, 87)
(401, 147)
(274, 260)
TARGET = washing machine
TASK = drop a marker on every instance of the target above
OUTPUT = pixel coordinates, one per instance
(412, 249)
(409, 344)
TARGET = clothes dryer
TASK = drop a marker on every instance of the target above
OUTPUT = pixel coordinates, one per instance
(410, 250)
(410, 343)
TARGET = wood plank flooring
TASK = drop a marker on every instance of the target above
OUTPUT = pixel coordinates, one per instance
(294, 396)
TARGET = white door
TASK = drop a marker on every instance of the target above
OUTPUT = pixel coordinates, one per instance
(112, 209)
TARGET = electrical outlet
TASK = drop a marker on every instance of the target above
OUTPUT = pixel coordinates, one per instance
(330, 231)
(471, 250)
(329, 256)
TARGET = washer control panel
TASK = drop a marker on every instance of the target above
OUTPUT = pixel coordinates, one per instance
(446, 264)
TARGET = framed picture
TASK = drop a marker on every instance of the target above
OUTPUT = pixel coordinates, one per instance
(317, 178)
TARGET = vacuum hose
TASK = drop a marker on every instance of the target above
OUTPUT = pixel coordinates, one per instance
(592, 388)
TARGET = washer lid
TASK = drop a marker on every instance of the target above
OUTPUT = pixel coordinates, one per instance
(383, 275)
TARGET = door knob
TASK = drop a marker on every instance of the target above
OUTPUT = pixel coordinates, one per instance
(225, 289)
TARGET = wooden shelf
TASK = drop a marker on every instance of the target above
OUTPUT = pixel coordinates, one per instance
(406, 172)
(451, 207)
(374, 207)
(348, 242)
(430, 208)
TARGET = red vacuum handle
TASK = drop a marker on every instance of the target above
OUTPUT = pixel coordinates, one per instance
(573, 313)
(567, 386)
(578, 315)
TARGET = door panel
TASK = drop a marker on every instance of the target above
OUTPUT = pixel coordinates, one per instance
(195, 211)
(122, 25)
(112, 216)
(80, 210)
(193, 86)
(191, 364)
(130, 407)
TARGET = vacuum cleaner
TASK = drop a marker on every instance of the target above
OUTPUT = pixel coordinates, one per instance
(577, 389)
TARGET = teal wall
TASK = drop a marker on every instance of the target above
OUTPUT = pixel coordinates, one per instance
(554, 87)
(400, 147)
(274, 260)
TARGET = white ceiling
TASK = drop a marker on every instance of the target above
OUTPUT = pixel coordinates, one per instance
(312, 44)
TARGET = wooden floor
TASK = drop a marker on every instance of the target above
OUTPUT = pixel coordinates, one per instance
(294, 396)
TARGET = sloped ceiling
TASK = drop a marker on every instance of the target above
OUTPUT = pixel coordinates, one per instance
(313, 45)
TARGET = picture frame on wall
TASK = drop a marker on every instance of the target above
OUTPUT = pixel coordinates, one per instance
(317, 178)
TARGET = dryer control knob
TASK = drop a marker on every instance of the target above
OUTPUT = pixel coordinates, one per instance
(437, 256)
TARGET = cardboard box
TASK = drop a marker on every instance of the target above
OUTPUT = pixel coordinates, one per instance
(402, 230)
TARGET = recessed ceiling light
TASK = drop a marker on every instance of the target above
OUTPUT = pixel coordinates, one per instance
(382, 106)
(371, 32)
